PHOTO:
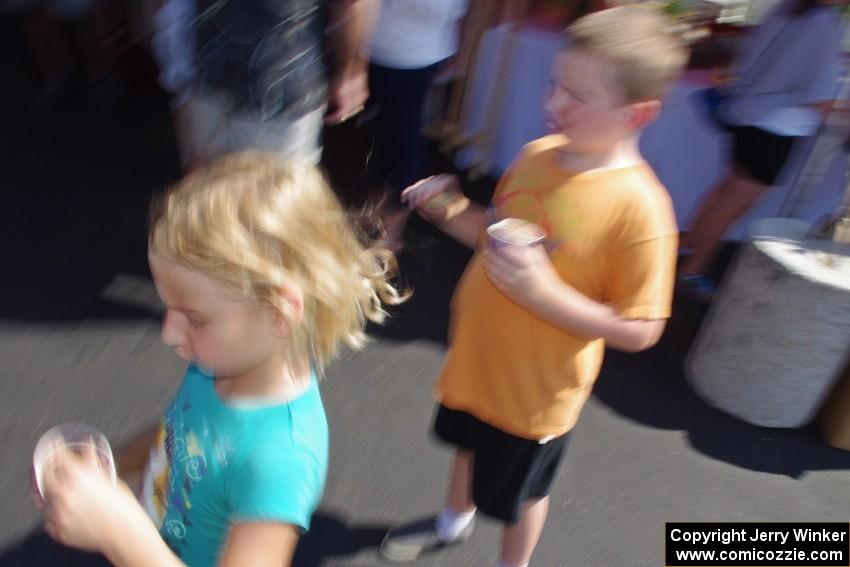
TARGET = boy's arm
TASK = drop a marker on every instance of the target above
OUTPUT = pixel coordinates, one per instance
(466, 225)
(527, 277)
(460, 218)
(570, 310)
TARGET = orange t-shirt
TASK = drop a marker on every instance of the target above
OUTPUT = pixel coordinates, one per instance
(612, 236)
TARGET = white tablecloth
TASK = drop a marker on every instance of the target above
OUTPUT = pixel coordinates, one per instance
(688, 154)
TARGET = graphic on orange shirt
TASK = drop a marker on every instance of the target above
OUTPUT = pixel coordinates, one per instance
(534, 205)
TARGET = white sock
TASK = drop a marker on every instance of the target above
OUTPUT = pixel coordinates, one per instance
(503, 564)
(450, 524)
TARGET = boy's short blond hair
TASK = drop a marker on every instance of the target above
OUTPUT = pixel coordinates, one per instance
(255, 223)
(645, 54)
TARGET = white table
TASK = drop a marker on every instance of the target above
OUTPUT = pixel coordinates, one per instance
(686, 151)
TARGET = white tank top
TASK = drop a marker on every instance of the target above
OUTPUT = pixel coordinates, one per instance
(412, 34)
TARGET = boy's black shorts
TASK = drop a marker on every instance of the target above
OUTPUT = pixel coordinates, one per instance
(507, 470)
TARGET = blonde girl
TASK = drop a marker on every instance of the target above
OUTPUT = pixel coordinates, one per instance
(264, 281)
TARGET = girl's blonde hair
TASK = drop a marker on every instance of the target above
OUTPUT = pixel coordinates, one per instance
(253, 223)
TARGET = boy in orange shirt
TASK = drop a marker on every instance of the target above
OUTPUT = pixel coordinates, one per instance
(530, 323)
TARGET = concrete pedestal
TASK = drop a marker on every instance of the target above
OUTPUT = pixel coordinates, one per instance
(778, 334)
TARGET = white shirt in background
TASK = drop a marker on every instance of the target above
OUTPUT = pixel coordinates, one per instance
(785, 67)
(412, 34)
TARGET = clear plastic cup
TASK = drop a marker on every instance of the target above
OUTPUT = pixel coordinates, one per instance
(514, 232)
(84, 440)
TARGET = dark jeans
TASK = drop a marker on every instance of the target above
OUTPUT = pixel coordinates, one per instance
(401, 154)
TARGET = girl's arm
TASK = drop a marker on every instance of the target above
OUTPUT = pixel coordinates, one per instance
(261, 544)
(131, 457)
(255, 544)
(86, 511)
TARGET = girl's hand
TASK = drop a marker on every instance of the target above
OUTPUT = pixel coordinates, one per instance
(37, 500)
(83, 509)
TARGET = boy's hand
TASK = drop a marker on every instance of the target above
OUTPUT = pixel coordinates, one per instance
(82, 509)
(437, 199)
(524, 274)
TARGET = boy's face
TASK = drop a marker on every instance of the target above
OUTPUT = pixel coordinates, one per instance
(206, 323)
(583, 103)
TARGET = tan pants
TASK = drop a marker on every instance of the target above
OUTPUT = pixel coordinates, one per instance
(206, 130)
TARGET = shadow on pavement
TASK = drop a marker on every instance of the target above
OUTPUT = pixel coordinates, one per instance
(38, 550)
(76, 188)
(329, 537)
(650, 388)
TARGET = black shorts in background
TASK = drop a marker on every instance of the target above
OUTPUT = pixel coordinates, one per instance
(507, 470)
(760, 154)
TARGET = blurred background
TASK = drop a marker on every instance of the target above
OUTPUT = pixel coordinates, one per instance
(92, 110)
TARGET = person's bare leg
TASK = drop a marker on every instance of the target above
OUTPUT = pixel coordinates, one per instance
(695, 230)
(520, 539)
(728, 202)
(454, 523)
(459, 497)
